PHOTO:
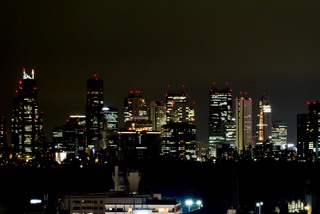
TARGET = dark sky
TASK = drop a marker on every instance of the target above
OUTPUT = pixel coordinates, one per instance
(260, 47)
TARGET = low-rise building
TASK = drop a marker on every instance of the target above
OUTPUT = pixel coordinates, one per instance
(118, 202)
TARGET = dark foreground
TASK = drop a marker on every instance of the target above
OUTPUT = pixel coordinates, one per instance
(221, 186)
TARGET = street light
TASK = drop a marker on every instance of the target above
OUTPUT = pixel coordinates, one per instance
(189, 203)
(199, 203)
(259, 204)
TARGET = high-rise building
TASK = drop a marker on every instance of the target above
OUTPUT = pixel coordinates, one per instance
(157, 114)
(178, 109)
(26, 126)
(138, 145)
(179, 141)
(3, 136)
(94, 113)
(172, 98)
(243, 110)
(135, 107)
(179, 133)
(279, 135)
(70, 137)
(220, 112)
(136, 113)
(265, 122)
(308, 138)
(111, 116)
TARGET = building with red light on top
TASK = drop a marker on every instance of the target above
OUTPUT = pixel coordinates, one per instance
(135, 107)
(26, 126)
(94, 113)
(220, 114)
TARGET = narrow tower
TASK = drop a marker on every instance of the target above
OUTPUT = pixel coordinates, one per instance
(243, 108)
(94, 113)
(265, 122)
(220, 113)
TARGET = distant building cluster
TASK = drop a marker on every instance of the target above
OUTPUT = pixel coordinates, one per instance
(156, 129)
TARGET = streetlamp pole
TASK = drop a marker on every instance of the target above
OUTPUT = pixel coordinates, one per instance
(189, 203)
(259, 204)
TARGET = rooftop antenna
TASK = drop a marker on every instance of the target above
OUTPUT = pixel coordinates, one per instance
(27, 76)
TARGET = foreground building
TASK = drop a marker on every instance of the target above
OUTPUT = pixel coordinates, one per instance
(124, 199)
(118, 202)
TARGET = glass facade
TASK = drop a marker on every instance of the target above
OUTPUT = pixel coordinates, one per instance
(220, 112)
(243, 117)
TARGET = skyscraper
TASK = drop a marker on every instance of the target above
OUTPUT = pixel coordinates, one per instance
(136, 112)
(279, 135)
(178, 108)
(243, 109)
(308, 126)
(179, 134)
(26, 126)
(135, 107)
(265, 122)
(157, 114)
(3, 136)
(70, 137)
(94, 113)
(220, 112)
(111, 116)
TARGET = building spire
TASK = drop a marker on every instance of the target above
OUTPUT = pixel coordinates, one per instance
(27, 76)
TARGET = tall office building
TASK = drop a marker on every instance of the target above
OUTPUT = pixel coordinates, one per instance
(178, 108)
(3, 136)
(179, 141)
(173, 97)
(157, 114)
(136, 112)
(220, 112)
(179, 133)
(70, 137)
(94, 113)
(26, 126)
(265, 122)
(111, 116)
(243, 109)
(279, 135)
(135, 107)
(308, 138)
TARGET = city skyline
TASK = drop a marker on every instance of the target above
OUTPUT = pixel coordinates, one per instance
(268, 47)
(121, 119)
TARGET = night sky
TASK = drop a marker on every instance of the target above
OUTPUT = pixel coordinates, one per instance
(260, 47)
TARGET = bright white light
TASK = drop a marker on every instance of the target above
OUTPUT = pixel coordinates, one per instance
(142, 212)
(189, 202)
(199, 202)
(258, 204)
(35, 201)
